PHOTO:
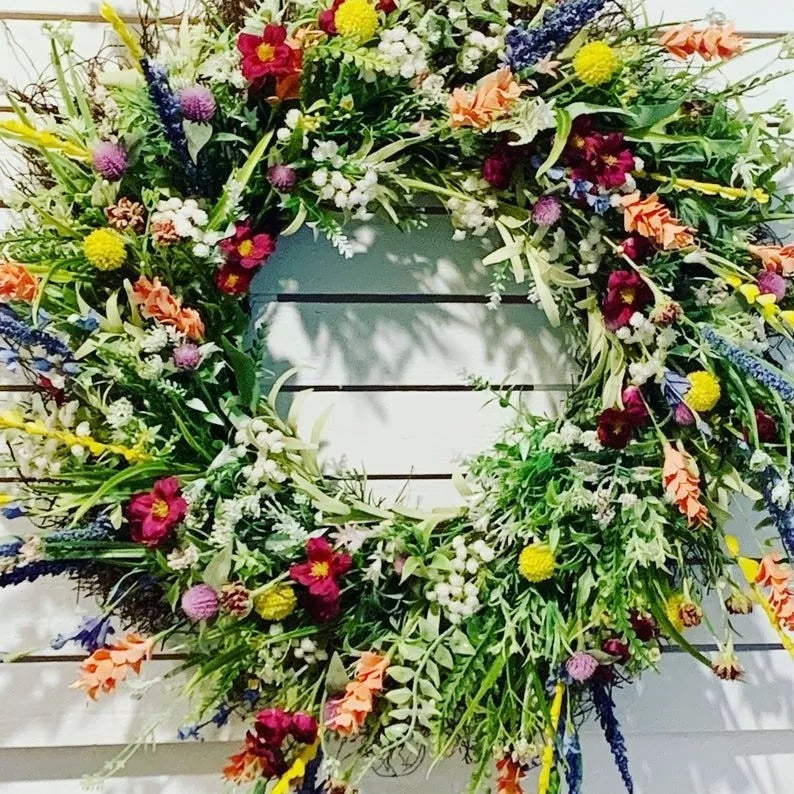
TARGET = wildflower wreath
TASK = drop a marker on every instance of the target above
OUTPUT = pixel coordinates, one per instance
(606, 168)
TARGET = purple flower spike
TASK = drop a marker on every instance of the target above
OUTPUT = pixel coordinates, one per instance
(110, 160)
(197, 103)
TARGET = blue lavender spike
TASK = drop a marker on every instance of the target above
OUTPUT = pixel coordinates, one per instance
(90, 635)
(605, 708)
(310, 784)
(15, 330)
(559, 25)
(782, 516)
(573, 762)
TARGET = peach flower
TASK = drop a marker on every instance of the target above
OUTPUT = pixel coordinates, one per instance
(715, 41)
(348, 713)
(104, 668)
(492, 98)
(650, 218)
(509, 776)
(681, 480)
(16, 283)
(157, 303)
(779, 578)
(778, 258)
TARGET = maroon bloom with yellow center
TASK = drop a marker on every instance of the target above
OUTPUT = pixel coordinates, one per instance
(247, 249)
(626, 294)
(320, 574)
(268, 55)
(153, 515)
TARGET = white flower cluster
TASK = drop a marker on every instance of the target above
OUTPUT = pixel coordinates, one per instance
(477, 47)
(256, 434)
(527, 119)
(297, 123)
(272, 657)
(120, 413)
(457, 595)
(224, 67)
(592, 247)
(713, 293)
(403, 52)
(433, 88)
(307, 651)
(346, 192)
(652, 368)
(639, 331)
(470, 216)
(183, 559)
(186, 216)
(569, 436)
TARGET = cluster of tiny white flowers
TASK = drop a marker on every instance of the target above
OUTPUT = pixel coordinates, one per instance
(296, 122)
(38, 456)
(433, 88)
(111, 112)
(346, 194)
(529, 118)
(272, 656)
(628, 500)
(592, 248)
(759, 460)
(523, 752)
(569, 436)
(228, 513)
(652, 368)
(224, 67)
(604, 512)
(403, 51)
(287, 533)
(183, 559)
(457, 596)
(119, 414)
(713, 293)
(469, 216)
(187, 217)
(307, 651)
(258, 435)
(150, 368)
(781, 493)
(639, 331)
(155, 338)
(477, 47)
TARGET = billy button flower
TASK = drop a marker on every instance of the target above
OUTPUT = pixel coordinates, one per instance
(356, 19)
(537, 563)
(596, 63)
(105, 249)
(704, 392)
(275, 602)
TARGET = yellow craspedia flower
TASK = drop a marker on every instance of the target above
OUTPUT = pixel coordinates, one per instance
(704, 393)
(536, 563)
(105, 249)
(673, 610)
(276, 603)
(356, 19)
(596, 63)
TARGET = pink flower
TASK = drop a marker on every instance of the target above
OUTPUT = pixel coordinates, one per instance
(771, 283)
(187, 356)
(246, 249)
(547, 211)
(282, 177)
(617, 648)
(197, 103)
(627, 293)
(268, 55)
(581, 666)
(272, 726)
(304, 728)
(153, 515)
(200, 603)
(110, 160)
(320, 574)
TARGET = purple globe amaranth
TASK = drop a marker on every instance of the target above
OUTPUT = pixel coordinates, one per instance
(282, 177)
(581, 666)
(200, 602)
(771, 283)
(187, 356)
(547, 211)
(197, 103)
(110, 160)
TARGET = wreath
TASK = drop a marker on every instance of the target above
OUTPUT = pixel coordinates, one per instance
(604, 166)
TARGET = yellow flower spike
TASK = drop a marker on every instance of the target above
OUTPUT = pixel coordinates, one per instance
(788, 316)
(750, 292)
(297, 770)
(120, 28)
(712, 188)
(43, 140)
(733, 281)
(547, 761)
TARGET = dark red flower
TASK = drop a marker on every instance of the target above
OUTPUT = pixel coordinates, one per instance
(767, 427)
(234, 280)
(498, 166)
(153, 515)
(600, 158)
(246, 249)
(320, 574)
(387, 6)
(267, 55)
(617, 648)
(627, 293)
(636, 248)
(604, 674)
(272, 726)
(616, 428)
(634, 404)
(304, 728)
(644, 626)
(327, 19)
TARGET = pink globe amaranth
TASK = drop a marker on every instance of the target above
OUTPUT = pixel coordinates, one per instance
(581, 666)
(200, 602)
(197, 103)
(771, 283)
(617, 648)
(187, 356)
(282, 177)
(683, 415)
(304, 728)
(547, 211)
(110, 160)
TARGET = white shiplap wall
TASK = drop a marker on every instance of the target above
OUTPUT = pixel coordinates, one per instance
(381, 329)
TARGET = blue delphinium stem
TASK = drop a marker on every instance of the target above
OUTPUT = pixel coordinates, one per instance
(90, 635)
(573, 762)
(559, 25)
(782, 516)
(605, 708)
(170, 115)
(750, 365)
(310, 784)
(16, 331)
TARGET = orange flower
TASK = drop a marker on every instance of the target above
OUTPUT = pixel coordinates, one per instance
(244, 767)
(16, 283)
(509, 777)
(348, 713)
(778, 258)
(715, 41)
(157, 303)
(104, 668)
(779, 578)
(650, 218)
(493, 97)
(681, 480)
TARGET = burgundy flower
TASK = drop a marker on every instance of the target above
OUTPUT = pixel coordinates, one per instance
(320, 574)
(767, 427)
(627, 293)
(617, 648)
(644, 626)
(282, 177)
(616, 428)
(233, 279)
(267, 55)
(272, 726)
(327, 18)
(683, 416)
(387, 6)
(304, 728)
(153, 515)
(634, 404)
(636, 248)
(246, 249)
(498, 166)
(600, 158)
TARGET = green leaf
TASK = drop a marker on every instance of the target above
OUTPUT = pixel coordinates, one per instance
(399, 696)
(245, 373)
(444, 657)
(198, 136)
(216, 574)
(402, 675)
(336, 679)
(564, 127)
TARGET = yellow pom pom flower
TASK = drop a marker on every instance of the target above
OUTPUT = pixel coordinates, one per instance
(673, 610)
(537, 562)
(105, 249)
(276, 603)
(704, 392)
(596, 63)
(356, 19)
